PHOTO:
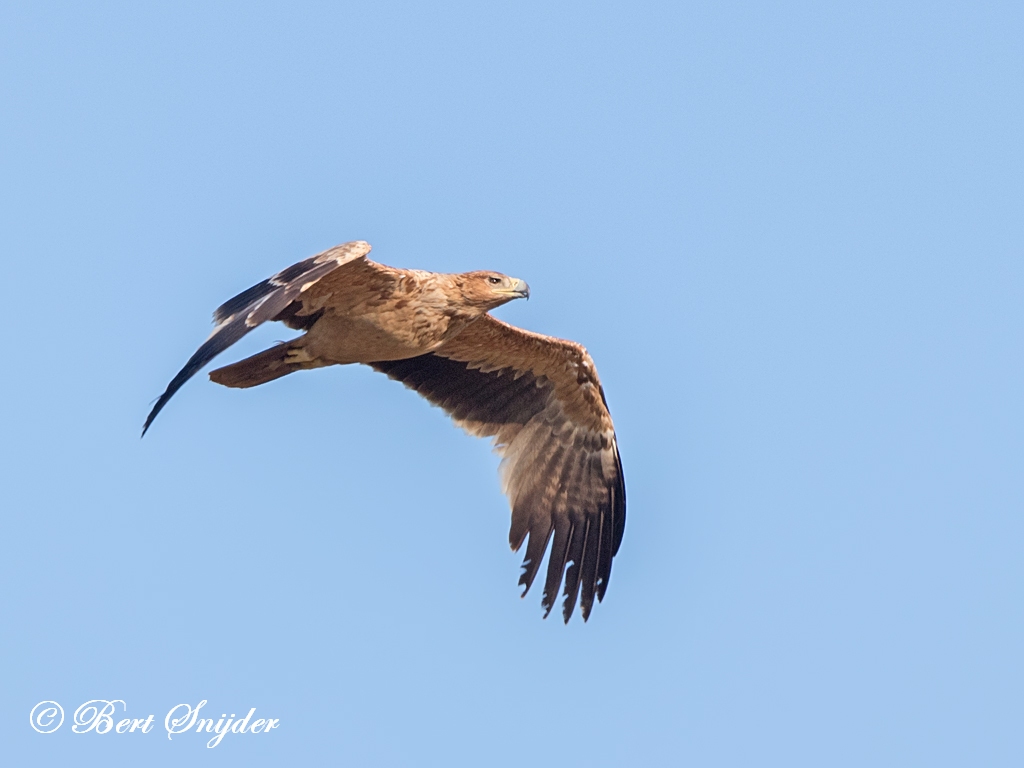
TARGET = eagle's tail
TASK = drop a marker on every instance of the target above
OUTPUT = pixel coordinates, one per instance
(278, 361)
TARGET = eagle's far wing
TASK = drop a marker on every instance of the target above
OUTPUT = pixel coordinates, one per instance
(277, 298)
(542, 402)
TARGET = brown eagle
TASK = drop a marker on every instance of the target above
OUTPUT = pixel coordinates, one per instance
(538, 397)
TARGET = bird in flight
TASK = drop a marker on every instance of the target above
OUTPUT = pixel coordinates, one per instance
(538, 397)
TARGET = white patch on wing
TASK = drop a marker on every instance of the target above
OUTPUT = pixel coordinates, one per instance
(248, 318)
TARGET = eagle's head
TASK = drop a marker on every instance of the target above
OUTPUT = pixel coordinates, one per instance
(487, 290)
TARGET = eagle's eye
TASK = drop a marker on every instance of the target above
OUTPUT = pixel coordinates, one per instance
(494, 280)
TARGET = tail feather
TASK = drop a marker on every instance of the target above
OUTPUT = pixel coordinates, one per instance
(266, 366)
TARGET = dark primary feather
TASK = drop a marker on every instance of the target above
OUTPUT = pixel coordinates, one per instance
(269, 300)
(563, 494)
(221, 339)
(251, 296)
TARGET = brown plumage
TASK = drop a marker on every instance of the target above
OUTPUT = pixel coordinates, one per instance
(538, 397)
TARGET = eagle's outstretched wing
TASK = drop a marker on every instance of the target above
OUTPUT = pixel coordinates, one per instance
(542, 402)
(273, 299)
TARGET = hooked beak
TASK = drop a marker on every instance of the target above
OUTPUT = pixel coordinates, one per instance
(520, 289)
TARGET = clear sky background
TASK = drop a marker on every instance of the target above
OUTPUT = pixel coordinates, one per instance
(791, 236)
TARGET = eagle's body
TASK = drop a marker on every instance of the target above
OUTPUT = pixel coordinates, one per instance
(538, 397)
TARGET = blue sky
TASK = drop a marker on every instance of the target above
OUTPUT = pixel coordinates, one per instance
(789, 234)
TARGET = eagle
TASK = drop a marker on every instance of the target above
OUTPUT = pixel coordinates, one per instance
(537, 396)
